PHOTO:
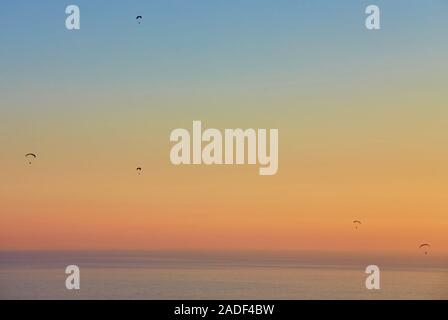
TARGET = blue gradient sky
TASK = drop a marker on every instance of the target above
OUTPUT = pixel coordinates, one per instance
(212, 45)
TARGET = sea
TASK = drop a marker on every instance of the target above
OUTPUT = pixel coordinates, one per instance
(153, 275)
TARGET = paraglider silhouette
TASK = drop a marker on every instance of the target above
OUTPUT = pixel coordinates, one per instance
(356, 223)
(139, 170)
(30, 156)
(426, 246)
(139, 19)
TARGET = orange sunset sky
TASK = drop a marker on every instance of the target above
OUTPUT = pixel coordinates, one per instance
(362, 120)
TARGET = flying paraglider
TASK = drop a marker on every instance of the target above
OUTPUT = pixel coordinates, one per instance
(425, 246)
(139, 19)
(30, 156)
(139, 170)
(356, 223)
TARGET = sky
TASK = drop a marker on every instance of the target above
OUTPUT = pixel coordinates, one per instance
(361, 116)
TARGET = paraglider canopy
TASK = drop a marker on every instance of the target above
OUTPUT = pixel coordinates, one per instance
(356, 223)
(30, 155)
(425, 246)
(139, 19)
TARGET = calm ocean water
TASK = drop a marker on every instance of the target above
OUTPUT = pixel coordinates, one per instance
(189, 275)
